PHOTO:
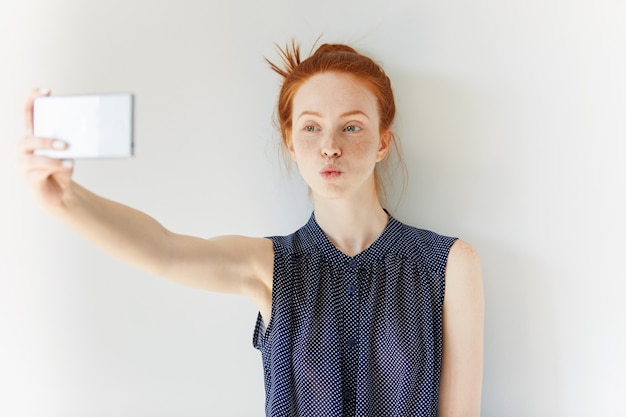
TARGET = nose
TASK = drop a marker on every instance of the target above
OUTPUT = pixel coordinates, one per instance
(330, 146)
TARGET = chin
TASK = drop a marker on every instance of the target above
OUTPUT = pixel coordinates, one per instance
(327, 194)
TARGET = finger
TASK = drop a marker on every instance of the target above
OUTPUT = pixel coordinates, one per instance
(30, 144)
(39, 179)
(28, 107)
(33, 164)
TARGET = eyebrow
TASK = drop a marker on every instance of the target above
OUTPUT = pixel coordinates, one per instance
(346, 114)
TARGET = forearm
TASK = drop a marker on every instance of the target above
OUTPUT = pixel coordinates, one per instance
(121, 231)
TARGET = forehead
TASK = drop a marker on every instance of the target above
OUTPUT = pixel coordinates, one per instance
(331, 92)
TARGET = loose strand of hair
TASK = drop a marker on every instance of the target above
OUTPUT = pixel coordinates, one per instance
(314, 46)
(289, 56)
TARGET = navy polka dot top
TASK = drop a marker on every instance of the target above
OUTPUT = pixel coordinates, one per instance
(354, 336)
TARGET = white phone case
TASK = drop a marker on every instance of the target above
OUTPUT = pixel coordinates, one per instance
(94, 126)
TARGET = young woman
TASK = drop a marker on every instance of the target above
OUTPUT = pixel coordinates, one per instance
(359, 314)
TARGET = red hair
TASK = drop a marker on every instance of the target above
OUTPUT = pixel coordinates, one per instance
(336, 58)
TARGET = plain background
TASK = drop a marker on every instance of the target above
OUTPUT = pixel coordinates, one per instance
(512, 117)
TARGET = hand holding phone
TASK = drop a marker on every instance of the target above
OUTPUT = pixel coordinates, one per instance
(93, 126)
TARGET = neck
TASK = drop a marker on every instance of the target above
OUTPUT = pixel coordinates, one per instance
(351, 225)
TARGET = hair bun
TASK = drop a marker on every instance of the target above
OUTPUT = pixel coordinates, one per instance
(290, 56)
(335, 47)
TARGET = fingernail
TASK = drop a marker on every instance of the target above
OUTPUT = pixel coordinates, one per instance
(44, 91)
(67, 163)
(59, 144)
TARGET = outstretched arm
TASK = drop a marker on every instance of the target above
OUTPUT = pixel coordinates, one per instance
(463, 316)
(232, 264)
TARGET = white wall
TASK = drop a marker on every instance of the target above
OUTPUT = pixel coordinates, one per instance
(512, 116)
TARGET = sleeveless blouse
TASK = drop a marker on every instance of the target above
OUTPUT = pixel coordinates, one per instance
(354, 336)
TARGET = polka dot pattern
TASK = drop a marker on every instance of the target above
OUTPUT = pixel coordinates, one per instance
(354, 336)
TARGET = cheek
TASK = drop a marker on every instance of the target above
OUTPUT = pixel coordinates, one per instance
(300, 149)
(364, 149)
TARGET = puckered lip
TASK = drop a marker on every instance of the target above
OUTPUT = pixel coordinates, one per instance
(330, 169)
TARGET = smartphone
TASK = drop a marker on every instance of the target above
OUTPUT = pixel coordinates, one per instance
(94, 125)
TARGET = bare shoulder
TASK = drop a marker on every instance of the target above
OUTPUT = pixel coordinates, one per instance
(464, 282)
(256, 253)
(464, 253)
(464, 286)
(463, 317)
(228, 264)
(463, 266)
(261, 253)
(255, 247)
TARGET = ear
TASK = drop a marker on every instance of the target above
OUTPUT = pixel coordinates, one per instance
(289, 144)
(385, 143)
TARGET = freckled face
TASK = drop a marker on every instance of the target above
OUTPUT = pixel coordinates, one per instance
(335, 137)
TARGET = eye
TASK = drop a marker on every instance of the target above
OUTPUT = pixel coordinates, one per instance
(352, 128)
(310, 128)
